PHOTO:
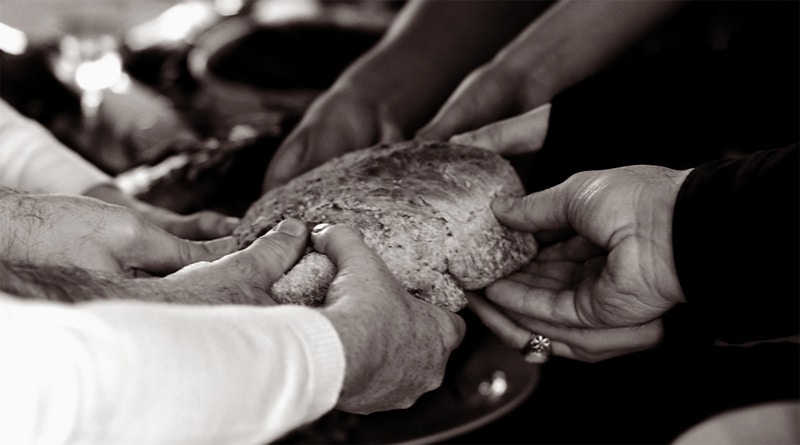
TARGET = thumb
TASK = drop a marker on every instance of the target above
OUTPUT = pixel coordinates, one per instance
(354, 260)
(270, 256)
(544, 210)
(517, 135)
(481, 99)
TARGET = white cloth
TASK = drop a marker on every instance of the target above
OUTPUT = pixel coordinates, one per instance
(117, 372)
(33, 160)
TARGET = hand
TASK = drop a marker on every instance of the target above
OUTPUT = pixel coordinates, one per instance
(341, 120)
(507, 86)
(396, 346)
(521, 134)
(242, 277)
(76, 231)
(197, 226)
(601, 292)
(570, 41)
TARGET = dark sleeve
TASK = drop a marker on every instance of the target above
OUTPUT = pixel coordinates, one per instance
(736, 245)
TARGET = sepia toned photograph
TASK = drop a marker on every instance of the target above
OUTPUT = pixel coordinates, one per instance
(250, 222)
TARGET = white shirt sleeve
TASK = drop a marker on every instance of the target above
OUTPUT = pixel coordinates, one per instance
(149, 373)
(33, 160)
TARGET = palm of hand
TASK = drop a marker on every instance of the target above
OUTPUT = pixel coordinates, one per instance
(626, 212)
(599, 293)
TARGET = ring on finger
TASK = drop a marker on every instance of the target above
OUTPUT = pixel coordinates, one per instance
(538, 349)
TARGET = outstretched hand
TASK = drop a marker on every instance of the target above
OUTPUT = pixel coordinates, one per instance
(341, 120)
(77, 231)
(601, 292)
(511, 84)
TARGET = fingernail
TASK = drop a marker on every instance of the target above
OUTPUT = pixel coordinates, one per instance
(231, 221)
(502, 203)
(321, 227)
(292, 227)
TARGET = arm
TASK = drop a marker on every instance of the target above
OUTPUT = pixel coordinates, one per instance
(156, 373)
(136, 372)
(76, 231)
(130, 372)
(398, 85)
(431, 47)
(569, 42)
(735, 241)
(721, 238)
(33, 160)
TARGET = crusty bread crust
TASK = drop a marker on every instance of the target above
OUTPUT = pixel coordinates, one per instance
(423, 207)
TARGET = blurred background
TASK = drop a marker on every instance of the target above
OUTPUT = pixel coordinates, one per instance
(183, 101)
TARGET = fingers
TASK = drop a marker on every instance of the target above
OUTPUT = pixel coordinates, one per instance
(271, 255)
(504, 328)
(352, 257)
(203, 225)
(547, 304)
(288, 160)
(520, 134)
(548, 275)
(595, 344)
(589, 345)
(576, 248)
(157, 252)
(486, 95)
(544, 210)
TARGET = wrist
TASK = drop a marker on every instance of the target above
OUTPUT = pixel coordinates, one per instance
(361, 351)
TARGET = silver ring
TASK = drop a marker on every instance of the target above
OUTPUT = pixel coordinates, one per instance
(537, 349)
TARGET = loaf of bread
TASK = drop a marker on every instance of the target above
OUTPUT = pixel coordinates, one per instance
(423, 206)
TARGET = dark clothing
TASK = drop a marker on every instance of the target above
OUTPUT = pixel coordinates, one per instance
(736, 241)
(684, 107)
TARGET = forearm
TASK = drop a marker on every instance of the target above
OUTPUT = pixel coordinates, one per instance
(74, 285)
(576, 38)
(130, 373)
(430, 48)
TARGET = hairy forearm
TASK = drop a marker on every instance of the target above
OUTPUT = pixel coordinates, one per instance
(576, 38)
(73, 285)
(6, 191)
(431, 47)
